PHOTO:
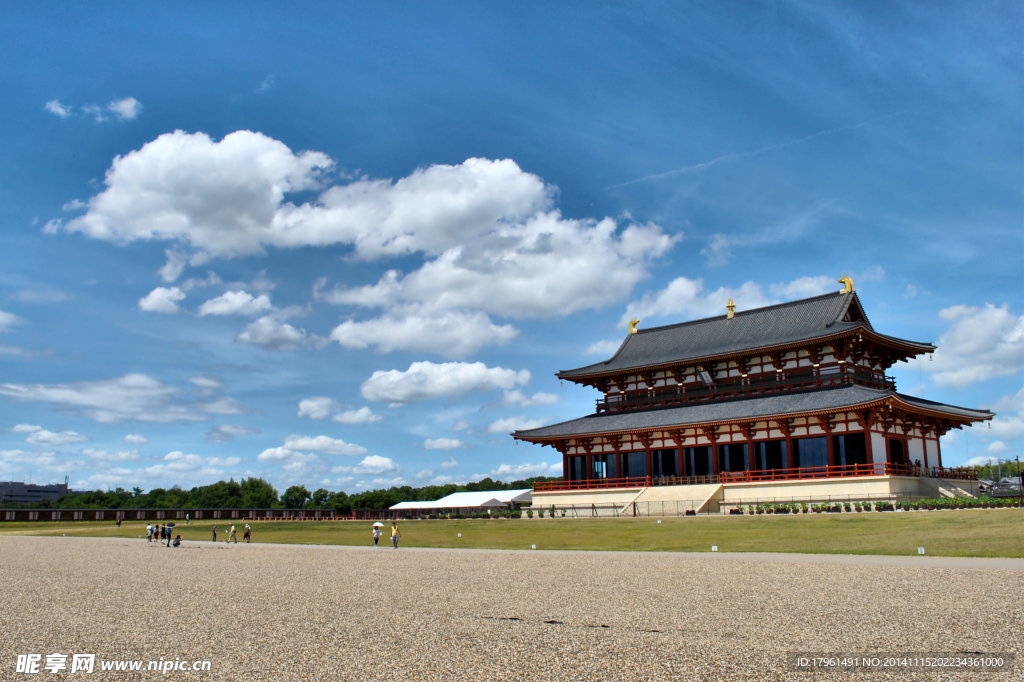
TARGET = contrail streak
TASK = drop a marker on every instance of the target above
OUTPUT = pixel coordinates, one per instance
(762, 150)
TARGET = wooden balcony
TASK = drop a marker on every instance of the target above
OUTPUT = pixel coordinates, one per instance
(751, 386)
(802, 473)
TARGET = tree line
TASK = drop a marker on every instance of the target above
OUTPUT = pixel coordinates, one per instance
(256, 493)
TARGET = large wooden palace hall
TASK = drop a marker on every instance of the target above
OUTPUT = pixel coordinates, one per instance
(781, 393)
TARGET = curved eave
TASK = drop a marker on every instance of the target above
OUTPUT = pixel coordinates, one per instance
(895, 399)
(914, 347)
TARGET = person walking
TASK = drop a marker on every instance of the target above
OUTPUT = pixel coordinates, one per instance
(395, 535)
(215, 533)
(186, 519)
(376, 536)
(231, 535)
(248, 533)
(149, 532)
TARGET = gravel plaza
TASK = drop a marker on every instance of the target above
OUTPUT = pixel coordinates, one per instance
(294, 612)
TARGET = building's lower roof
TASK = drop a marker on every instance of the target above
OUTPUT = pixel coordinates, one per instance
(484, 498)
(750, 409)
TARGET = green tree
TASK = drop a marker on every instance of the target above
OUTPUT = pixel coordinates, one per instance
(295, 497)
(258, 494)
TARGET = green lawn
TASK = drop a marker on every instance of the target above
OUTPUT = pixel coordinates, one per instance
(994, 532)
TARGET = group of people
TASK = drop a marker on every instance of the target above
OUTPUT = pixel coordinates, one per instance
(232, 534)
(162, 534)
(395, 535)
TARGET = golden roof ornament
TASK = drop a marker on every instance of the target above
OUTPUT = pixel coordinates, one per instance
(632, 326)
(731, 308)
(847, 285)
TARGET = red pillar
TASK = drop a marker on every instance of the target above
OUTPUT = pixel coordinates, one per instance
(565, 464)
(650, 473)
(826, 426)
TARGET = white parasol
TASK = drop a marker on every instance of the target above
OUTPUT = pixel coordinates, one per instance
(378, 525)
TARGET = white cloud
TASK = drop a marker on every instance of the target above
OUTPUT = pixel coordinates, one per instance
(375, 465)
(460, 425)
(518, 399)
(125, 109)
(162, 300)
(452, 334)
(224, 461)
(207, 382)
(26, 428)
(277, 455)
(512, 472)
(997, 447)
(686, 298)
(8, 321)
(361, 416)
(324, 444)
(222, 406)
(273, 333)
(22, 457)
(981, 343)
(236, 303)
(316, 408)
(603, 347)
(424, 474)
(136, 439)
(555, 469)
(426, 380)
(224, 433)
(442, 444)
(515, 424)
(106, 456)
(58, 109)
(131, 397)
(718, 251)
(44, 437)
(980, 461)
(450, 463)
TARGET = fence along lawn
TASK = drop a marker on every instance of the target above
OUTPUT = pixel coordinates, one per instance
(994, 532)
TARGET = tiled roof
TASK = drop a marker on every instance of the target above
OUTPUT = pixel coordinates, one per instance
(778, 405)
(775, 325)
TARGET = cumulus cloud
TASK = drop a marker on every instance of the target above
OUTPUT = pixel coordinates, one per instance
(8, 321)
(442, 444)
(376, 465)
(125, 109)
(519, 399)
(606, 348)
(35, 296)
(132, 397)
(162, 300)
(515, 424)
(223, 433)
(426, 380)
(981, 343)
(136, 439)
(361, 416)
(450, 463)
(273, 333)
(206, 382)
(452, 333)
(519, 471)
(26, 428)
(44, 437)
(686, 298)
(424, 474)
(57, 109)
(102, 455)
(316, 408)
(324, 444)
(236, 303)
(222, 406)
(493, 241)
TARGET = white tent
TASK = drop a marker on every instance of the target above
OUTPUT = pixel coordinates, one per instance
(488, 499)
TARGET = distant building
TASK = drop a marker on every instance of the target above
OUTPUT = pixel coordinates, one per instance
(470, 501)
(24, 493)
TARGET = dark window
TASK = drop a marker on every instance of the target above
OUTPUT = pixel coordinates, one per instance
(732, 457)
(811, 452)
(770, 454)
(635, 464)
(850, 449)
(663, 463)
(577, 468)
(897, 451)
(697, 461)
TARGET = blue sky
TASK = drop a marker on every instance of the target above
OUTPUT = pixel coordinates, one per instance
(349, 246)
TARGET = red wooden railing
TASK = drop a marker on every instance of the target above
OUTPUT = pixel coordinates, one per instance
(803, 473)
(791, 381)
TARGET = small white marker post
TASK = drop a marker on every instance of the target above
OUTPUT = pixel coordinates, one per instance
(920, 550)
(714, 548)
(534, 546)
(460, 535)
(659, 520)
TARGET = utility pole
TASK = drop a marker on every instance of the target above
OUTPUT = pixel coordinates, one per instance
(1020, 482)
